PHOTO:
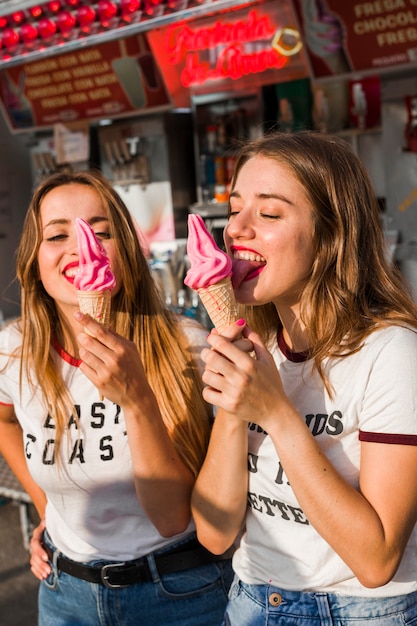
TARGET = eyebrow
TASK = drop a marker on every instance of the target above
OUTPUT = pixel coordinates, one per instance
(264, 196)
(64, 221)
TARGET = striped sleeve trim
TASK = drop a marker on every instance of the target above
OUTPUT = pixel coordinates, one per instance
(405, 440)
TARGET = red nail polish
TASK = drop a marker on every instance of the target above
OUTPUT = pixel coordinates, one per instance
(241, 322)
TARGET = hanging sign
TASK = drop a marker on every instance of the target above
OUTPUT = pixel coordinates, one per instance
(230, 50)
(343, 37)
(110, 80)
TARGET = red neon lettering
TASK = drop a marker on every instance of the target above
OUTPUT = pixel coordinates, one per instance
(231, 63)
(179, 40)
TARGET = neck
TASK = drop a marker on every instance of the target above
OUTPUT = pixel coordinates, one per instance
(296, 341)
(291, 355)
(294, 332)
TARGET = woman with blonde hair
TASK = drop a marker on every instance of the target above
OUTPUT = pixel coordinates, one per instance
(105, 430)
(313, 454)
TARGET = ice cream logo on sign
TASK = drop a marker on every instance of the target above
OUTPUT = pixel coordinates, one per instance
(136, 74)
(130, 77)
(287, 41)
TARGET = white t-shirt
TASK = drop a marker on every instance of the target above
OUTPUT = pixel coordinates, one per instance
(92, 510)
(375, 398)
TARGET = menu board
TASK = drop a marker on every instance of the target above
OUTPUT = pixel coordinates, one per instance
(343, 36)
(112, 79)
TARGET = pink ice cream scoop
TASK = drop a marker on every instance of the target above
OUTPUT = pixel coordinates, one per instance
(94, 272)
(208, 264)
(210, 274)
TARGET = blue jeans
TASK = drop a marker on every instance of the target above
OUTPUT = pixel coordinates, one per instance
(264, 605)
(194, 597)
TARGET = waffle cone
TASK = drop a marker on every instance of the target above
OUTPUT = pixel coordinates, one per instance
(219, 302)
(96, 304)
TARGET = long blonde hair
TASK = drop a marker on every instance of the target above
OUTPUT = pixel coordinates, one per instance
(138, 314)
(353, 287)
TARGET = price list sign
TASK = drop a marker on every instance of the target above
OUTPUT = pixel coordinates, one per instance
(110, 80)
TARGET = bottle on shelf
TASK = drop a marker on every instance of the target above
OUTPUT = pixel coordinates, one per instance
(207, 164)
(285, 116)
(220, 188)
(217, 132)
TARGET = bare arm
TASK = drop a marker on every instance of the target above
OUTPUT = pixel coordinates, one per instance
(368, 528)
(220, 493)
(163, 483)
(219, 499)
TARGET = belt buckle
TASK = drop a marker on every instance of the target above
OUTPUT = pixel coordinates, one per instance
(105, 576)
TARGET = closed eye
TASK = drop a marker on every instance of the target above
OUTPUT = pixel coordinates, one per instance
(270, 217)
(103, 235)
(56, 237)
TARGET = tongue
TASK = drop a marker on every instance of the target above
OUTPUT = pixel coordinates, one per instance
(241, 269)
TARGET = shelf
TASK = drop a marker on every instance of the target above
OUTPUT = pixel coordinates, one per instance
(210, 210)
(357, 132)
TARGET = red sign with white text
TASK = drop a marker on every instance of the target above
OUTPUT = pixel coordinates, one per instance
(348, 36)
(237, 49)
(110, 80)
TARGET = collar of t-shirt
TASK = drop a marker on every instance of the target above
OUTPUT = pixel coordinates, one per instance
(295, 357)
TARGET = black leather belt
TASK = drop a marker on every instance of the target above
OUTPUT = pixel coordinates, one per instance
(115, 575)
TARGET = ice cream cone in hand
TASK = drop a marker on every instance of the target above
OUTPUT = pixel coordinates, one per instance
(219, 302)
(210, 274)
(96, 304)
(94, 279)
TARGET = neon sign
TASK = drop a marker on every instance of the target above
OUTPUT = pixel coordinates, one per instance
(229, 49)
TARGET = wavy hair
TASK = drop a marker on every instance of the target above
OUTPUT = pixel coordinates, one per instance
(353, 287)
(138, 314)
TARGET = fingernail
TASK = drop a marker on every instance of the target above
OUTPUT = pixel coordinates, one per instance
(78, 315)
(241, 322)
